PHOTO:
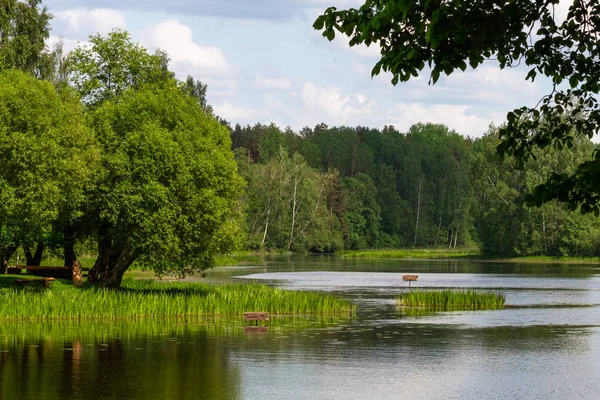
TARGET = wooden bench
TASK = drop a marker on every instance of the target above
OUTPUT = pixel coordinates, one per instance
(46, 282)
(256, 316)
(410, 278)
(45, 270)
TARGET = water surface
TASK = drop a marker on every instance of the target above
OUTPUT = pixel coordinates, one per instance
(546, 345)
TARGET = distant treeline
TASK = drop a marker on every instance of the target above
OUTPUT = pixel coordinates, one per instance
(326, 189)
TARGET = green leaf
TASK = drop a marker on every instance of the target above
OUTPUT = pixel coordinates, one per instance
(319, 22)
(330, 34)
(435, 75)
(573, 81)
(376, 70)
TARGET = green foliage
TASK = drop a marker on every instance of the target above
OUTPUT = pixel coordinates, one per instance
(271, 144)
(286, 204)
(169, 190)
(446, 36)
(505, 223)
(24, 28)
(362, 216)
(464, 299)
(197, 90)
(113, 64)
(48, 158)
(152, 299)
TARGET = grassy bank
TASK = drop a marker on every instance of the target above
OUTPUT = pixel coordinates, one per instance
(471, 254)
(151, 299)
(452, 299)
(410, 253)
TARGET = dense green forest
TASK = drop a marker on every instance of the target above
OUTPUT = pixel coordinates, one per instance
(327, 189)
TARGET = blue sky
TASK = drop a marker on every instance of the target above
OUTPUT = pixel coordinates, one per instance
(263, 62)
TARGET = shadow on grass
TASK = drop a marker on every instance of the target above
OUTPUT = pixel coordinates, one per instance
(134, 287)
(167, 291)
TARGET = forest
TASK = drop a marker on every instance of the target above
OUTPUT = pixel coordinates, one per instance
(325, 189)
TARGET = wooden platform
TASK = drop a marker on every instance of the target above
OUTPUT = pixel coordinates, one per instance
(256, 316)
(48, 270)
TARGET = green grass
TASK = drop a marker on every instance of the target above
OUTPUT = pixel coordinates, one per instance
(463, 299)
(241, 257)
(552, 259)
(410, 253)
(150, 299)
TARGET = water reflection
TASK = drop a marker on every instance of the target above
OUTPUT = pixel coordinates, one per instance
(124, 361)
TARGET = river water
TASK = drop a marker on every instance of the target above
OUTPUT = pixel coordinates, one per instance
(545, 345)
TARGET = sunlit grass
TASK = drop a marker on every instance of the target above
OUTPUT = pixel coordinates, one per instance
(151, 299)
(410, 253)
(464, 299)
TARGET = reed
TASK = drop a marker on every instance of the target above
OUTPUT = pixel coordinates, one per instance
(150, 299)
(452, 299)
(411, 253)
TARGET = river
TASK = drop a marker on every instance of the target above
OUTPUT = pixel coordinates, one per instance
(544, 345)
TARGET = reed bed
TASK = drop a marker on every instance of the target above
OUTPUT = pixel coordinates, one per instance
(149, 299)
(452, 299)
(410, 253)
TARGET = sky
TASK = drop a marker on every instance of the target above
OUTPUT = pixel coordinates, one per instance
(263, 62)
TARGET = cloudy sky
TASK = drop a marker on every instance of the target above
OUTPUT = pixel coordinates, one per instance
(263, 62)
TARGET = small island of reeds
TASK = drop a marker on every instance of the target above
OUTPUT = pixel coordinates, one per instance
(154, 299)
(457, 299)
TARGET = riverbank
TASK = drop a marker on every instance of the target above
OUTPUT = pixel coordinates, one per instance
(464, 254)
(137, 299)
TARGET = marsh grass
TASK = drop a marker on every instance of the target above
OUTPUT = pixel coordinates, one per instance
(237, 258)
(464, 299)
(150, 299)
(410, 253)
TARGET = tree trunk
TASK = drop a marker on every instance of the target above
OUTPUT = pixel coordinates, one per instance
(418, 211)
(112, 262)
(294, 210)
(102, 264)
(36, 258)
(115, 277)
(262, 243)
(440, 208)
(544, 234)
(68, 246)
(5, 255)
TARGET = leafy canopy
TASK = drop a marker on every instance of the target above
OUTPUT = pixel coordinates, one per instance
(449, 35)
(47, 157)
(169, 189)
(112, 64)
(24, 28)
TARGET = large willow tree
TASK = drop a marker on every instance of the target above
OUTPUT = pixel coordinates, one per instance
(169, 188)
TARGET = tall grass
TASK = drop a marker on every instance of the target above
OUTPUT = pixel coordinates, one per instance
(452, 299)
(410, 253)
(150, 299)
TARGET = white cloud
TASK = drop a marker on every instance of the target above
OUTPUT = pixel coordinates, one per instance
(331, 106)
(68, 44)
(234, 113)
(342, 43)
(457, 117)
(187, 57)
(273, 83)
(80, 23)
